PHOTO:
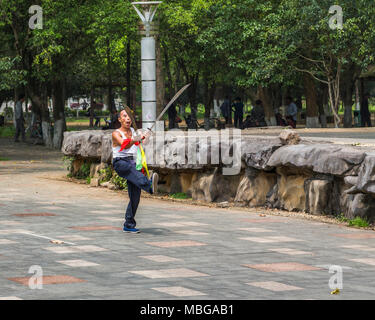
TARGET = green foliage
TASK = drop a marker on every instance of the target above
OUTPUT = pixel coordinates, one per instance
(342, 218)
(105, 174)
(228, 44)
(10, 76)
(356, 222)
(84, 171)
(4, 159)
(359, 222)
(118, 181)
(7, 131)
(68, 162)
(179, 195)
(7, 114)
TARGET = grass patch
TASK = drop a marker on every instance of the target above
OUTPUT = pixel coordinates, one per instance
(4, 159)
(80, 119)
(7, 132)
(180, 195)
(359, 222)
(356, 222)
(342, 218)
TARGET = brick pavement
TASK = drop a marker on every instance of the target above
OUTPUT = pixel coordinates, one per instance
(183, 252)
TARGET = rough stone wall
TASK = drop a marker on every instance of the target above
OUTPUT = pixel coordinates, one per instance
(286, 173)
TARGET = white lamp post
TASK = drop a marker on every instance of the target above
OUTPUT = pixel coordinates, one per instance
(148, 63)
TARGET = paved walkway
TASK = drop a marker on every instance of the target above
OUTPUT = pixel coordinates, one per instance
(183, 252)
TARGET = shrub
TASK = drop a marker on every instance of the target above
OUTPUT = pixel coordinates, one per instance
(84, 171)
(105, 174)
(68, 162)
(359, 222)
(118, 181)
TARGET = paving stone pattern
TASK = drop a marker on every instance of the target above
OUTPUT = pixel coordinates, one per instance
(183, 251)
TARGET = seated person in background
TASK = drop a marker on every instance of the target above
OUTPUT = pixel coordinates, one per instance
(256, 117)
(257, 113)
(279, 120)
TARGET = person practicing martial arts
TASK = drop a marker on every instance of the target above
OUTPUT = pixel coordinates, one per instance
(124, 145)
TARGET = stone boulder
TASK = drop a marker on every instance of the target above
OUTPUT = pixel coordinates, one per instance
(200, 186)
(223, 188)
(291, 192)
(318, 195)
(365, 182)
(95, 169)
(289, 137)
(106, 150)
(254, 187)
(320, 158)
(85, 144)
(360, 205)
(257, 153)
(213, 186)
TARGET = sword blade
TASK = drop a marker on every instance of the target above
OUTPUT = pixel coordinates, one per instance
(177, 95)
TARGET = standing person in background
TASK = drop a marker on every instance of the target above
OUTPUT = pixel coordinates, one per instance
(225, 109)
(365, 112)
(20, 121)
(238, 113)
(291, 112)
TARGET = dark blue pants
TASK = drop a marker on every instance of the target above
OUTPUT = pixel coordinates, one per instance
(136, 181)
(238, 119)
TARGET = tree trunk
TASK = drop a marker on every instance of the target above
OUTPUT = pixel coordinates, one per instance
(347, 90)
(312, 107)
(58, 112)
(263, 94)
(333, 93)
(177, 79)
(348, 107)
(109, 70)
(322, 103)
(128, 82)
(38, 98)
(192, 92)
(208, 102)
(169, 84)
(46, 122)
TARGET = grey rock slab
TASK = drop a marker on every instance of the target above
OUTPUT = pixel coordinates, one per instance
(320, 158)
(257, 153)
(87, 143)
